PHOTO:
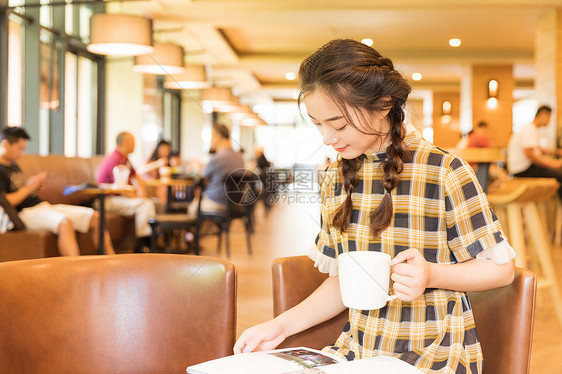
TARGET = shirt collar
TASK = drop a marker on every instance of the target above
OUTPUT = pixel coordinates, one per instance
(412, 136)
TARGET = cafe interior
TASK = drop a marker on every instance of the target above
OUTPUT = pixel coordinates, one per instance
(76, 73)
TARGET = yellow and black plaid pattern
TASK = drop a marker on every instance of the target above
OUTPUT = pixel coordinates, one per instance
(439, 209)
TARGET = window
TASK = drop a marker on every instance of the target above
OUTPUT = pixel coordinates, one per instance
(15, 61)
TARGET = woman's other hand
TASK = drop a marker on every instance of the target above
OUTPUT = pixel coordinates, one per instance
(262, 337)
(410, 273)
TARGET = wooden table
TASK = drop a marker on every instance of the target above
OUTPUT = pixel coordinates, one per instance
(483, 157)
(100, 191)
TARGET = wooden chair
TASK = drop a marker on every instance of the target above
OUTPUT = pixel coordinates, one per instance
(130, 313)
(504, 316)
(242, 192)
(516, 203)
(170, 222)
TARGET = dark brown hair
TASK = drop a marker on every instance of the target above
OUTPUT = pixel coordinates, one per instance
(13, 134)
(221, 130)
(354, 75)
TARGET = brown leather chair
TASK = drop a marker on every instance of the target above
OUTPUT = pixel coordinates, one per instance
(504, 316)
(133, 313)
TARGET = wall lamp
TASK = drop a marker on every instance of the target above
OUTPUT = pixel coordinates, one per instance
(446, 108)
(493, 87)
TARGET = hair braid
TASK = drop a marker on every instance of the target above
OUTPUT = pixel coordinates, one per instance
(393, 166)
(342, 216)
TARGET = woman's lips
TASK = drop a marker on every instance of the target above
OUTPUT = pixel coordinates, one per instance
(341, 149)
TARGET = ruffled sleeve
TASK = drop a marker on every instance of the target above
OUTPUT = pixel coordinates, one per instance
(500, 253)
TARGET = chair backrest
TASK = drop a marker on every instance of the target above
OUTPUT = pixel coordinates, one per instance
(504, 316)
(133, 313)
(180, 196)
(242, 191)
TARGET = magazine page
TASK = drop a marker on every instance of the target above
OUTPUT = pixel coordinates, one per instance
(373, 365)
(271, 362)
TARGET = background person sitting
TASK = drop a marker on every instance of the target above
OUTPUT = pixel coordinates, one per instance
(526, 158)
(141, 207)
(159, 157)
(224, 160)
(478, 137)
(38, 215)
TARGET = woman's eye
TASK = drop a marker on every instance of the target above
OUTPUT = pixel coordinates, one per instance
(341, 128)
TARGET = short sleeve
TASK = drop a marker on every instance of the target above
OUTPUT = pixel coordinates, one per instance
(472, 227)
(530, 137)
(324, 253)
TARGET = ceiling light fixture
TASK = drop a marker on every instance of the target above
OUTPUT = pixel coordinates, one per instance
(367, 41)
(166, 59)
(243, 112)
(217, 96)
(232, 106)
(455, 42)
(120, 35)
(417, 76)
(252, 122)
(290, 76)
(193, 78)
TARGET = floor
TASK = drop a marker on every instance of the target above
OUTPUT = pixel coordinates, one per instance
(290, 228)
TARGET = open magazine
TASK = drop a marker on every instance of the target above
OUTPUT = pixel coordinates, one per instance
(299, 361)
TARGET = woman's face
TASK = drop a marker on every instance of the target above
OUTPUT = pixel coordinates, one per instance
(338, 133)
(164, 151)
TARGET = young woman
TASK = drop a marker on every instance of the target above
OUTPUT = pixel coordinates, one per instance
(391, 191)
(159, 157)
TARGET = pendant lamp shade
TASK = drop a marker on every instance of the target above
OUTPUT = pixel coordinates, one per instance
(166, 59)
(252, 122)
(216, 96)
(243, 112)
(233, 106)
(120, 35)
(194, 77)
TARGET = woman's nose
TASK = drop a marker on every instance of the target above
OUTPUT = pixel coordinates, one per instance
(329, 137)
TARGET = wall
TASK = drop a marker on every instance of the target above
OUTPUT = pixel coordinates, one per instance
(500, 119)
(124, 89)
(446, 135)
(193, 121)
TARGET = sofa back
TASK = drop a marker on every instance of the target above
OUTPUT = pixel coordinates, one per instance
(63, 171)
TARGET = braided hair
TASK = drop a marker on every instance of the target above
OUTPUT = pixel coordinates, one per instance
(354, 75)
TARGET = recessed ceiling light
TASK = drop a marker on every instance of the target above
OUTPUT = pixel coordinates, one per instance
(455, 42)
(417, 76)
(367, 41)
(290, 76)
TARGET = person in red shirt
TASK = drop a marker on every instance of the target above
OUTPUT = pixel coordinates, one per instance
(141, 207)
(479, 136)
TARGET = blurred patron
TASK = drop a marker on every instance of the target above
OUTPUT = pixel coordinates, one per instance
(159, 158)
(223, 161)
(478, 137)
(526, 158)
(38, 215)
(141, 207)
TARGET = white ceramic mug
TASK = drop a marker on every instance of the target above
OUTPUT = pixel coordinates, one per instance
(364, 279)
(121, 175)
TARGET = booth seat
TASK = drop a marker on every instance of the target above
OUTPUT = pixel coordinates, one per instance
(63, 171)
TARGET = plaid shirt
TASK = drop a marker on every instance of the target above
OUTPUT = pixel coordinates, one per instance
(439, 209)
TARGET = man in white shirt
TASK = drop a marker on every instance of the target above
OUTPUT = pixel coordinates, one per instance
(526, 158)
